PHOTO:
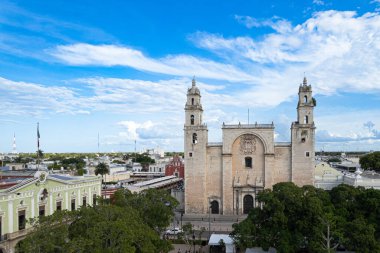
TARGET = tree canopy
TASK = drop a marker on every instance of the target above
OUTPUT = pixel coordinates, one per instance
(118, 225)
(296, 218)
(334, 160)
(102, 169)
(73, 162)
(143, 159)
(371, 161)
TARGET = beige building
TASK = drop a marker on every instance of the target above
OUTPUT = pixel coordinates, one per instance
(227, 176)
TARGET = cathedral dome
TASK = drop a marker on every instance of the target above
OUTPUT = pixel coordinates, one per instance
(194, 89)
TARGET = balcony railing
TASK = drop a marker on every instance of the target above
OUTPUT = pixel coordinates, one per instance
(269, 126)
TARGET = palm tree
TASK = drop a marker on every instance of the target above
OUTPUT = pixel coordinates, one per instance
(102, 169)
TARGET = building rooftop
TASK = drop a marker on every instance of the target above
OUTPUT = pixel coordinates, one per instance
(249, 126)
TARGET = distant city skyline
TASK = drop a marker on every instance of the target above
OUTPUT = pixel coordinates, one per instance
(121, 69)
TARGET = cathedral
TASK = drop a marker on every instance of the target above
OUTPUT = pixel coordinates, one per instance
(224, 178)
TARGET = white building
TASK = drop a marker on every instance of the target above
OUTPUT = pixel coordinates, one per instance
(327, 178)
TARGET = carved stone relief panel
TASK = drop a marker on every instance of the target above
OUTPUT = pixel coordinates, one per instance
(247, 144)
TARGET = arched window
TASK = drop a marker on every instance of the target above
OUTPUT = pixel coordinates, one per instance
(192, 101)
(214, 207)
(305, 99)
(247, 204)
(306, 120)
(195, 138)
(248, 162)
(192, 119)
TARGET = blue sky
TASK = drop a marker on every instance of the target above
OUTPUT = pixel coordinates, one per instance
(122, 68)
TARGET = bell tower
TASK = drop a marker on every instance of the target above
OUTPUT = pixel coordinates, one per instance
(303, 137)
(195, 143)
(306, 104)
(193, 107)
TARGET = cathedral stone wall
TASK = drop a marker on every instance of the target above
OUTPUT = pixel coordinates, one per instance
(282, 168)
(248, 175)
(214, 178)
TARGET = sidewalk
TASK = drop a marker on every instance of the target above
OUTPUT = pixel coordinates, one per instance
(214, 223)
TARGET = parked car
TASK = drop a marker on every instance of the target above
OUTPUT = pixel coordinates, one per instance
(173, 231)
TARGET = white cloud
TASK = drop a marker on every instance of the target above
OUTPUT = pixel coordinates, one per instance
(276, 23)
(22, 98)
(147, 134)
(176, 65)
(114, 95)
(132, 128)
(318, 2)
(30, 33)
(339, 51)
(348, 129)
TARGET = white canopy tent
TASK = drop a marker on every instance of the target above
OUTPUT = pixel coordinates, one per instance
(228, 242)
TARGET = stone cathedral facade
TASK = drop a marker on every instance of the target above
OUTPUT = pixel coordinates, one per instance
(224, 178)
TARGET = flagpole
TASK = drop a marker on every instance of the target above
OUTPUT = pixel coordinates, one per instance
(38, 146)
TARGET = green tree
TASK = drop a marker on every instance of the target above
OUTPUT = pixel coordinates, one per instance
(40, 154)
(360, 236)
(103, 228)
(154, 206)
(50, 234)
(143, 159)
(116, 225)
(187, 234)
(81, 172)
(370, 161)
(288, 220)
(102, 169)
(73, 162)
(294, 218)
(334, 160)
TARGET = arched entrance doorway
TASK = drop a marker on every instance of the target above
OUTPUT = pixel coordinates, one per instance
(214, 207)
(247, 204)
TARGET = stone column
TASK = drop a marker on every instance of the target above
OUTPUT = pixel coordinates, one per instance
(268, 167)
(227, 196)
(10, 215)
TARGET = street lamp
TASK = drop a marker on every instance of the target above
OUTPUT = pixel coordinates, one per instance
(209, 221)
(193, 242)
(181, 211)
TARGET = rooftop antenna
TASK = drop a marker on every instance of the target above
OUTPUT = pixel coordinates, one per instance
(248, 116)
(98, 142)
(14, 150)
(38, 146)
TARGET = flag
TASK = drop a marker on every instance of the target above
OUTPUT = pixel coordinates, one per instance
(38, 136)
